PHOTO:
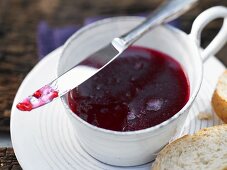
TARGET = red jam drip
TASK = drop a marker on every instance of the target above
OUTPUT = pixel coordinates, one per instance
(37, 94)
(39, 98)
(138, 90)
(25, 106)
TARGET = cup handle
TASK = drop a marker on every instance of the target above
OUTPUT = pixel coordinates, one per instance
(200, 23)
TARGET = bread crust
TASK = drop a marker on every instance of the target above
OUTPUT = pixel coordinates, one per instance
(197, 136)
(220, 106)
(219, 102)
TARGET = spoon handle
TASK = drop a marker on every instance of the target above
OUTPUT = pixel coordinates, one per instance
(168, 11)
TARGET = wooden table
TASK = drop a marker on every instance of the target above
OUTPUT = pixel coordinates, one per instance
(18, 48)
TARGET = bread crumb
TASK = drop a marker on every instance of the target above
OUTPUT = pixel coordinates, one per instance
(204, 116)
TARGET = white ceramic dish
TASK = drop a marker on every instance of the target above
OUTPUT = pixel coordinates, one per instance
(44, 139)
(139, 147)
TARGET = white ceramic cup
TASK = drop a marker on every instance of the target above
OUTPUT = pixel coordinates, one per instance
(139, 147)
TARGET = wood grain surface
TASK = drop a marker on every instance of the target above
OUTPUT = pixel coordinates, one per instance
(8, 160)
(18, 48)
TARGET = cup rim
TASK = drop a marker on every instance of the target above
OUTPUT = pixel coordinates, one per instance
(141, 131)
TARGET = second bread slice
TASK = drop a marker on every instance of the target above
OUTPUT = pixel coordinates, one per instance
(207, 149)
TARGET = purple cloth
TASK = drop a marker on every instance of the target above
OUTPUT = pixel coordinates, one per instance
(50, 38)
(90, 20)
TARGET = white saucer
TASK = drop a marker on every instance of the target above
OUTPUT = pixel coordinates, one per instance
(43, 139)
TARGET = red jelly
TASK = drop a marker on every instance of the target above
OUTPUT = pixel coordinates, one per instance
(37, 94)
(39, 98)
(24, 106)
(138, 90)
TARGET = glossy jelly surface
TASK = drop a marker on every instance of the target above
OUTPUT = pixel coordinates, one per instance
(138, 90)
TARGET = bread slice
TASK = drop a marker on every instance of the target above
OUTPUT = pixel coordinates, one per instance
(219, 99)
(205, 150)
